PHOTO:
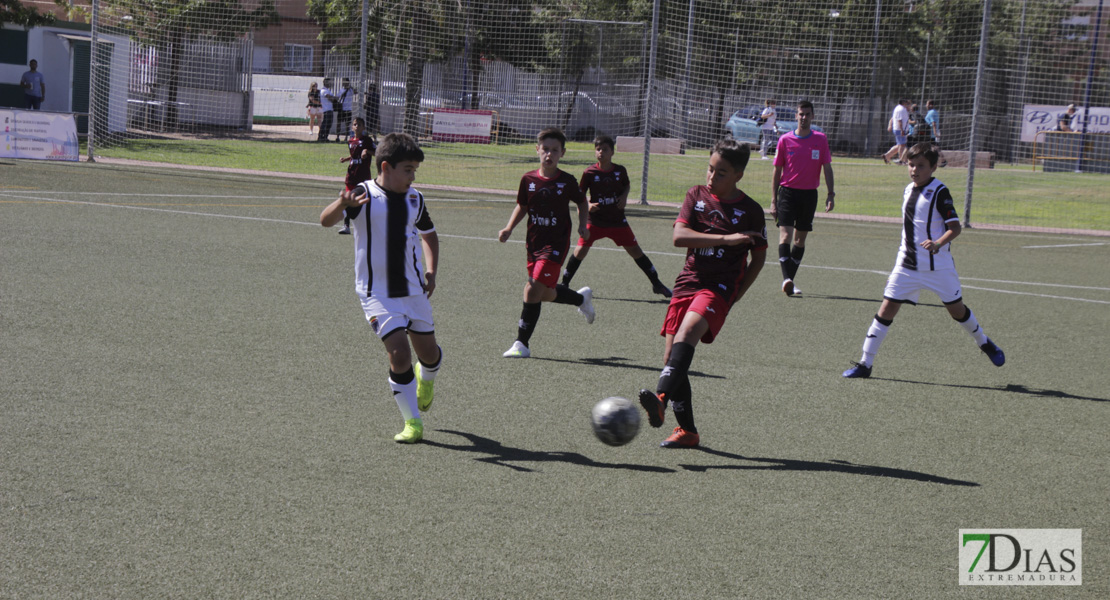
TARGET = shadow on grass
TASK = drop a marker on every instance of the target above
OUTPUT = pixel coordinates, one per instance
(867, 300)
(621, 363)
(498, 454)
(659, 300)
(832, 466)
(1010, 387)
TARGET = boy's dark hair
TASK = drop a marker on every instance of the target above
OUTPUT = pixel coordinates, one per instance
(805, 104)
(605, 139)
(553, 133)
(930, 104)
(734, 152)
(397, 148)
(360, 121)
(926, 149)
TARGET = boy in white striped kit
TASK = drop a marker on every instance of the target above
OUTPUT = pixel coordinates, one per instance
(930, 223)
(388, 217)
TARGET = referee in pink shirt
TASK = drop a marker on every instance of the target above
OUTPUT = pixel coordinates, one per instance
(800, 157)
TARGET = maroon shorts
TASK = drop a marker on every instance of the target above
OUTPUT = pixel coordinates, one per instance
(546, 272)
(710, 306)
(622, 235)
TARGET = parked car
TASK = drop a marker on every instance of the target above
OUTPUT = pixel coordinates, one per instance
(743, 128)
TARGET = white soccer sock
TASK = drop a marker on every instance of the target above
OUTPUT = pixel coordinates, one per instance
(428, 372)
(971, 325)
(405, 395)
(875, 336)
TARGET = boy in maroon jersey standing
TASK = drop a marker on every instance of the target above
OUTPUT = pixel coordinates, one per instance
(544, 197)
(362, 148)
(719, 225)
(607, 184)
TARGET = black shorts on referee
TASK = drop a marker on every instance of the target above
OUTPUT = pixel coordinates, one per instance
(796, 208)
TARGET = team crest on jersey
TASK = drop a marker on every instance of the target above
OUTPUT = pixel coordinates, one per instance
(559, 190)
(737, 215)
(928, 194)
(597, 177)
(700, 206)
(413, 200)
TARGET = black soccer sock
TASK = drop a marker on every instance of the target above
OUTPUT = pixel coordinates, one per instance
(402, 378)
(649, 269)
(572, 267)
(784, 260)
(529, 315)
(565, 295)
(795, 261)
(682, 405)
(682, 354)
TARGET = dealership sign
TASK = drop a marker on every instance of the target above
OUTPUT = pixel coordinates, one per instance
(1042, 117)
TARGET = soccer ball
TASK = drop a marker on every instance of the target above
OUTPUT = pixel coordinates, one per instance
(615, 420)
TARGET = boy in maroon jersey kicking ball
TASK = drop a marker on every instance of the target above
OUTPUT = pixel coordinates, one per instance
(607, 184)
(362, 148)
(719, 225)
(544, 197)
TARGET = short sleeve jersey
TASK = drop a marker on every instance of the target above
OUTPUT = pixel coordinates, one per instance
(802, 159)
(925, 211)
(717, 268)
(548, 204)
(358, 169)
(605, 188)
(386, 230)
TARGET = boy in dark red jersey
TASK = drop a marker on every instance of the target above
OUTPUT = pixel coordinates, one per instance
(544, 197)
(608, 185)
(362, 148)
(720, 225)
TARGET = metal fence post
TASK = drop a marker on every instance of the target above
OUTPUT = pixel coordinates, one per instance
(972, 145)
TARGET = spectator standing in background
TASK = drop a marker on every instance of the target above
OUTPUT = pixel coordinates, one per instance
(34, 86)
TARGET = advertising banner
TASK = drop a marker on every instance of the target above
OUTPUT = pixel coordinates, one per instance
(456, 125)
(1043, 117)
(38, 134)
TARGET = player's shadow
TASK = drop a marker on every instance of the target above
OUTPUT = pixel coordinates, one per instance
(832, 466)
(498, 454)
(659, 300)
(620, 363)
(1010, 387)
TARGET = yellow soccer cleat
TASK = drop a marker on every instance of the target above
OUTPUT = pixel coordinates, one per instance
(414, 432)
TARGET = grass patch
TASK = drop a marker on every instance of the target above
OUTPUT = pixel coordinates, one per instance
(1003, 196)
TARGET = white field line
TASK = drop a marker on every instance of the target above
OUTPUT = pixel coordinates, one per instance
(491, 239)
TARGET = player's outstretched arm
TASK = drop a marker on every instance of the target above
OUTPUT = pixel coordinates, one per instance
(830, 201)
(514, 219)
(348, 199)
(754, 267)
(583, 214)
(430, 241)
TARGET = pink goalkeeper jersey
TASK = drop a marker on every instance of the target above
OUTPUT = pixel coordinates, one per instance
(802, 159)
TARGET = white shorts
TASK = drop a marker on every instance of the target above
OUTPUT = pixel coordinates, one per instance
(315, 111)
(386, 315)
(905, 285)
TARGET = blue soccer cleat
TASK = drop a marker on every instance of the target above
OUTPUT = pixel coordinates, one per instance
(994, 352)
(858, 371)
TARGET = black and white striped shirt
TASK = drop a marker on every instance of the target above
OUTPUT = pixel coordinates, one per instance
(388, 253)
(925, 210)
